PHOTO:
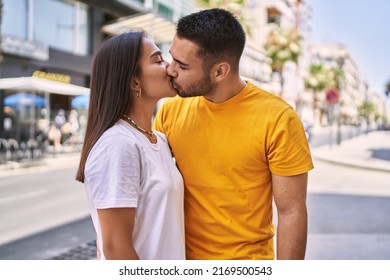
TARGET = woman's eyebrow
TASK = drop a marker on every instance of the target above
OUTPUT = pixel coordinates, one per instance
(156, 53)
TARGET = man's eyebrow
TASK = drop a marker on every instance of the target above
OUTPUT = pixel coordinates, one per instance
(178, 61)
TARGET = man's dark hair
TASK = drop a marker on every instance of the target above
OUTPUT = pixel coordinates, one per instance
(218, 34)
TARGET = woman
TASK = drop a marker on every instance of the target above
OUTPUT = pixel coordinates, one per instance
(135, 192)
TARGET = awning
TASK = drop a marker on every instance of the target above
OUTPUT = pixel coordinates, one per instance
(158, 28)
(81, 101)
(24, 99)
(35, 84)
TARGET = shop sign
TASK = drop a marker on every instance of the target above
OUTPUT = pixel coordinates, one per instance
(52, 76)
(24, 48)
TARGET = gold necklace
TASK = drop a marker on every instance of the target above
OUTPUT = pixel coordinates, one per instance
(149, 134)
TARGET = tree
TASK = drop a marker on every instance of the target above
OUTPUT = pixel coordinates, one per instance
(387, 89)
(366, 110)
(237, 7)
(282, 45)
(319, 79)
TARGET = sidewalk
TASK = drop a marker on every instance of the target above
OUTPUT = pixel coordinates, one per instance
(367, 151)
(67, 157)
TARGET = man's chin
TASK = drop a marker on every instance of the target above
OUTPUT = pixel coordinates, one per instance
(183, 94)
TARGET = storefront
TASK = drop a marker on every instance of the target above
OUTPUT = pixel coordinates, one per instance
(27, 104)
(56, 40)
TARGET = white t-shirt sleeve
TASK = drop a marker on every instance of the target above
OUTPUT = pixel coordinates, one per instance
(113, 172)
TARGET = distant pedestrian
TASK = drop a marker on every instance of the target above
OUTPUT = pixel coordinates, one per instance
(60, 118)
(54, 136)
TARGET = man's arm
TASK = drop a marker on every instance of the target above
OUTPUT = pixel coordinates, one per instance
(290, 198)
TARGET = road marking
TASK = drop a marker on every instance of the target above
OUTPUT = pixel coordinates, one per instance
(23, 196)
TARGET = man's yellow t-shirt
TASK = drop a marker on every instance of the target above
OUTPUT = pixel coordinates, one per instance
(226, 153)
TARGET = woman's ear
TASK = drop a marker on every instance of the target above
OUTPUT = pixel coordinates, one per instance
(135, 85)
(221, 71)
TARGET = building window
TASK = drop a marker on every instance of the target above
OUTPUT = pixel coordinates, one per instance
(164, 11)
(61, 24)
(273, 16)
(15, 9)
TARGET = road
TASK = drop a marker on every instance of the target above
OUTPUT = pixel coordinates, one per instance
(39, 199)
(348, 213)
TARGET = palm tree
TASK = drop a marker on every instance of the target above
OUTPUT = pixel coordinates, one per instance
(282, 45)
(237, 7)
(319, 79)
(366, 110)
(387, 89)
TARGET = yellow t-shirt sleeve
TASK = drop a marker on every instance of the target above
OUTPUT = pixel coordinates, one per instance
(288, 150)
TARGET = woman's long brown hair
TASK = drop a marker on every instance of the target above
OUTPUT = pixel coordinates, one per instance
(114, 67)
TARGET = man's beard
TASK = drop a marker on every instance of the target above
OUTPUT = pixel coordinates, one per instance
(200, 88)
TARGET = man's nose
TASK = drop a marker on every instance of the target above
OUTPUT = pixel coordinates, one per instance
(170, 70)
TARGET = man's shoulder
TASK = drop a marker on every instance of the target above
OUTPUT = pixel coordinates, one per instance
(265, 96)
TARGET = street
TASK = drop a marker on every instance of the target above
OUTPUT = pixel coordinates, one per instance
(39, 199)
(348, 213)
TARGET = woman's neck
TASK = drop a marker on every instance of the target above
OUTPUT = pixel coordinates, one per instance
(142, 115)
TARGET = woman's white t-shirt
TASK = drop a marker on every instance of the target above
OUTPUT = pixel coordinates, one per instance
(124, 169)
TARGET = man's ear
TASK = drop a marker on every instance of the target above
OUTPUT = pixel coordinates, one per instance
(221, 71)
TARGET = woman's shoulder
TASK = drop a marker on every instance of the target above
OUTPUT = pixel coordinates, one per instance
(115, 143)
(118, 135)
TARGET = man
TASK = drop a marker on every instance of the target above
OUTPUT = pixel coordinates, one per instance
(237, 147)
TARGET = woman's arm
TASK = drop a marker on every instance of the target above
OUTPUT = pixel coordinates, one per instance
(117, 228)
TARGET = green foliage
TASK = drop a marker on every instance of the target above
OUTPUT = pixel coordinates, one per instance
(282, 45)
(387, 89)
(321, 77)
(237, 7)
(366, 109)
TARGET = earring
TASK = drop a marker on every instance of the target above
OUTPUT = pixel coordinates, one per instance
(139, 93)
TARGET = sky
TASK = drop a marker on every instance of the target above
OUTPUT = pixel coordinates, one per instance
(363, 26)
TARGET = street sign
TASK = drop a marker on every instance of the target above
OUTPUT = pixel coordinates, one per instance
(332, 96)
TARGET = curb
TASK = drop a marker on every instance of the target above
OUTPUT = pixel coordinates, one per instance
(49, 161)
(362, 165)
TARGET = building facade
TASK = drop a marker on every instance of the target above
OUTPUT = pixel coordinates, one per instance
(354, 88)
(263, 18)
